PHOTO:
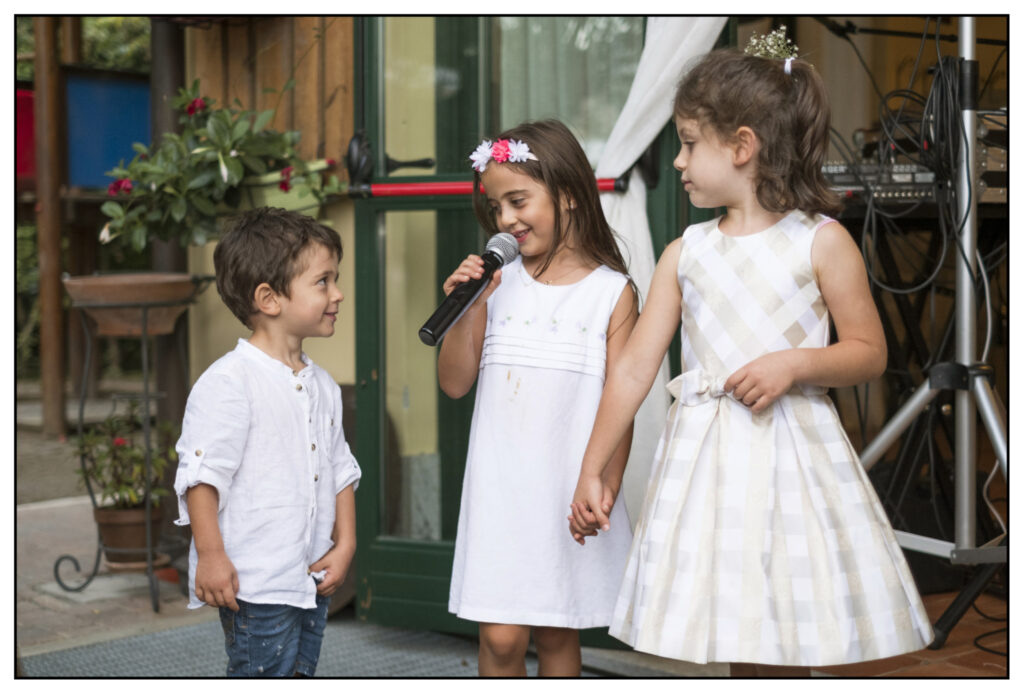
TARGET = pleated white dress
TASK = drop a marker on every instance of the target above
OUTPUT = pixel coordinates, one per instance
(761, 539)
(542, 370)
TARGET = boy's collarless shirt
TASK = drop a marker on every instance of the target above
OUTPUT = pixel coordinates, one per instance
(270, 441)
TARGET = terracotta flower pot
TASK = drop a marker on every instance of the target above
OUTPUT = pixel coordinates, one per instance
(125, 529)
(102, 298)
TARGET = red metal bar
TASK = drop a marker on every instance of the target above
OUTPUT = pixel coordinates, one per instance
(383, 190)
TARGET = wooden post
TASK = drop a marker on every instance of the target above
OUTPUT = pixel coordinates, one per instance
(48, 219)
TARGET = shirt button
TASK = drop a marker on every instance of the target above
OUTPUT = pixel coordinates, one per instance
(298, 386)
(199, 452)
(313, 447)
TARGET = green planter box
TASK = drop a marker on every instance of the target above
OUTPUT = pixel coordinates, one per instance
(265, 190)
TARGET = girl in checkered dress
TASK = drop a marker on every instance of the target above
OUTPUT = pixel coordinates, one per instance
(761, 540)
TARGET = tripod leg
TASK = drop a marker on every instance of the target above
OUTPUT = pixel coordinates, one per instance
(994, 418)
(963, 601)
(874, 451)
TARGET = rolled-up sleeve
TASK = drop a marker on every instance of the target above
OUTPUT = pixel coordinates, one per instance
(346, 469)
(213, 438)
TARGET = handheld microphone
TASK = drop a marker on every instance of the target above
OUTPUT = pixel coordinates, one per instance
(502, 248)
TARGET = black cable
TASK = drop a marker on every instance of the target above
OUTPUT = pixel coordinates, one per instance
(993, 651)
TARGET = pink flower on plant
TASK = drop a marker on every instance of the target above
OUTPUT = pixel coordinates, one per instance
(331, 162)
(119, 442)
(195, 106)
(499, 152)
(286, 178)
(121, 185)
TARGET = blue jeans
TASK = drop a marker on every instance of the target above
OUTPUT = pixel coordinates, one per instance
(273, 640)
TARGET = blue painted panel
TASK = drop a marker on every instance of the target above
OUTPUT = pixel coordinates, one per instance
(105, 115)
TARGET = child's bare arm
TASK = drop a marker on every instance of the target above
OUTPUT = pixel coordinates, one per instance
(216, 581)
(459, 358)
(630, 378)
(338, 558)
(857, 356)
(620, 326)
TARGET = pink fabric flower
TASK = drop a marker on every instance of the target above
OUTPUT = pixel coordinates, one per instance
(499, 152)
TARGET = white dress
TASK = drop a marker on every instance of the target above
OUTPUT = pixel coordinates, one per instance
(542, 370)
(761, 539)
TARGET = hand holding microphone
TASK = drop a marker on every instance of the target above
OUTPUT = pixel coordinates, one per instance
(501, 249)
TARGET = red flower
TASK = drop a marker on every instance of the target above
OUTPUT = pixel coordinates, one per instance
(195, 105)
(121, 185)
(286, 176)
(331, 162)
(499, 152)
(119, 442)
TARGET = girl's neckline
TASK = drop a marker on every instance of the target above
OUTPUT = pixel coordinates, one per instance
(528, 279)
(718, 228)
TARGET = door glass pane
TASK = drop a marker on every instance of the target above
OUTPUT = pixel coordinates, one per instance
(412, 462)
(576, 69)
(409, 77)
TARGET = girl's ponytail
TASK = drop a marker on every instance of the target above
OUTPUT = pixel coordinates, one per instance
(811, 122)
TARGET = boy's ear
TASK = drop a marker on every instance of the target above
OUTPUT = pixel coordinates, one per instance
(745, 147)
(266, 300)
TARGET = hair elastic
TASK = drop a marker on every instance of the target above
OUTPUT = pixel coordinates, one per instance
(789, 65)
(501, 151)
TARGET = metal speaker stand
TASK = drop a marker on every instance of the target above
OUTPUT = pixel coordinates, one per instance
(970, 380)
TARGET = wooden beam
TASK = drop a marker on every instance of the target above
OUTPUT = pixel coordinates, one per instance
(48, 220)
(70, 40)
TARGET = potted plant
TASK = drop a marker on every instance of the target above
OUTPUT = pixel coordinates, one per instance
(176, 189)
(113, 468)
(224, 159)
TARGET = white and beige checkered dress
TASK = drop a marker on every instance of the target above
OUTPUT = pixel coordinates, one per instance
(761, 538)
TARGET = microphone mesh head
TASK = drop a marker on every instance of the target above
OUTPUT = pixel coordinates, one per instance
(505, 246)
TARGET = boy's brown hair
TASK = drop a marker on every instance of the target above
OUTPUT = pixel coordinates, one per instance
(264, 245)
(789, 113)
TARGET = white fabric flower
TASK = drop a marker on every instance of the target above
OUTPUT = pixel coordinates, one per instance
(481, 156)
(519, 151)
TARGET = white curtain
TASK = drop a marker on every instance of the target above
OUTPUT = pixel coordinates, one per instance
(670, 43)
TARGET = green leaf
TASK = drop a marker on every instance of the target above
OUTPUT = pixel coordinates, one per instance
(262, 120)
(112, 209)
(218, 129)
(235, 171)
(288, 85)
(240, 130)
(203, 204)
(178, 209)
(254, 164)
(202, 179)
(140, 148)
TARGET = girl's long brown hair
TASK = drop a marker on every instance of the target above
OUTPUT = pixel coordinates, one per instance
(789, 113)
(562, 167)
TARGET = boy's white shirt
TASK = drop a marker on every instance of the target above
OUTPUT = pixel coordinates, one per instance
(270, 441)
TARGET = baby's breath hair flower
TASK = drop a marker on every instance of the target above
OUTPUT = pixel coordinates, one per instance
(772, 45)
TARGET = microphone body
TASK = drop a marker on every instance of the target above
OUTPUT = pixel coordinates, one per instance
(501, 249)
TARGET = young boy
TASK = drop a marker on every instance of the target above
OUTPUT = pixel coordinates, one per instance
(265, 476)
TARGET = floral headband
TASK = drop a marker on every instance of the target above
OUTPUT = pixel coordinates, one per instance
(501, 151)
(773, 45)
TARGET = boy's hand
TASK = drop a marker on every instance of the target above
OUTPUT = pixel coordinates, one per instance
(216, 580)
(336, 563)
